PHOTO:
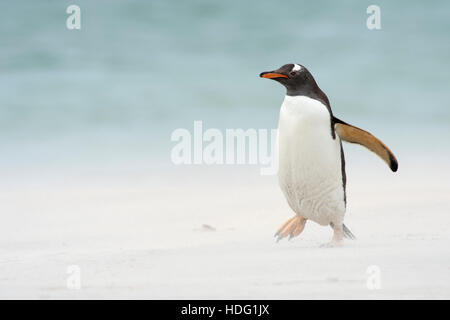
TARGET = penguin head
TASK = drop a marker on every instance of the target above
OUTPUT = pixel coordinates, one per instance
(295, 77)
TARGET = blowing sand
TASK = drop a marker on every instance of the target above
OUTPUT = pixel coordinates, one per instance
(138, 231)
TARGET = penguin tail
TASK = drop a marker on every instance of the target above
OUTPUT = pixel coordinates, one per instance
(347, 233)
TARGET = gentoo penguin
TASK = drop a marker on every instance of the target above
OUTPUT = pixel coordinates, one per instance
(311, 169)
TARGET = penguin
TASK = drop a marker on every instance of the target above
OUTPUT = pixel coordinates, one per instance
(311, 172)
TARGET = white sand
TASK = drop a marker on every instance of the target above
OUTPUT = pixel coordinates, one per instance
(136, 231)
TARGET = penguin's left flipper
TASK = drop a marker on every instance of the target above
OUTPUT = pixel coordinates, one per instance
(353, 134)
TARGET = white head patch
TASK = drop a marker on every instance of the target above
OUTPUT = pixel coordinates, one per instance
(296, 67)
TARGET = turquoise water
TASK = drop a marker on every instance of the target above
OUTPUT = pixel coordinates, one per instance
(147, 67)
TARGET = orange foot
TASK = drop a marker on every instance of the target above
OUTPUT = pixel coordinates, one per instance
(292, 228)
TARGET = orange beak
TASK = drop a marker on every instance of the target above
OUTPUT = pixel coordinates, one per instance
(272, 75)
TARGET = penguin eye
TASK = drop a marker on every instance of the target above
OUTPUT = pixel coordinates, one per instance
(293, 73)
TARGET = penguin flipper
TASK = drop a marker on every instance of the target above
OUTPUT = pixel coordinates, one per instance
(353, 134)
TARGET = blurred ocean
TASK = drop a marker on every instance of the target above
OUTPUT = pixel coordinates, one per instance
(139, 69)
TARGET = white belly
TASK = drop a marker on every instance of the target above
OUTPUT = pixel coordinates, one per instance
(310, 161)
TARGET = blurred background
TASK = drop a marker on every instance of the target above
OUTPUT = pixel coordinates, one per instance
(138, 69)
(86, 115)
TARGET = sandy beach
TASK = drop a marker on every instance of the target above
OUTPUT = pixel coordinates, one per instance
(140, 231)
